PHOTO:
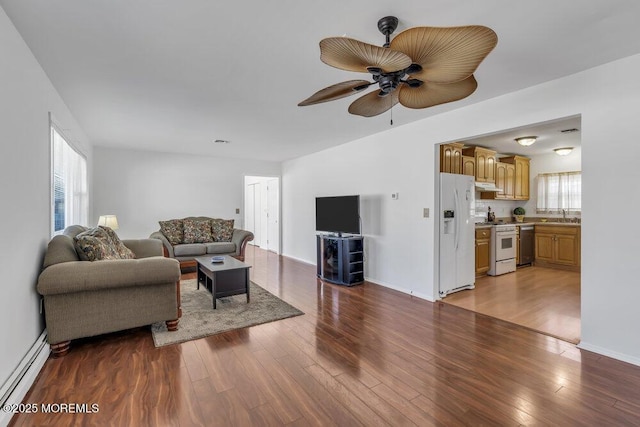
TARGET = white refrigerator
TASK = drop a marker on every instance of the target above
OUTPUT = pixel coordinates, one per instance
(457, 233)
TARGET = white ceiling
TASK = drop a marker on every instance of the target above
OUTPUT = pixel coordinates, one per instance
(173, 75)
(549, 136)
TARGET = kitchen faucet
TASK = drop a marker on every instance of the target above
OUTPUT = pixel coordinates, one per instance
(564, 215)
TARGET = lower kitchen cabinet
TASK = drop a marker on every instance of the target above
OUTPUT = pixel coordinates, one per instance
(557, 246)
(483, 244)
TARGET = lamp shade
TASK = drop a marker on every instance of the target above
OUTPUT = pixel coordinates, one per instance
(526, 140)
(108, 221)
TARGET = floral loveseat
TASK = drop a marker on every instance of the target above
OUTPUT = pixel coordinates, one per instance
(93, 283)
(187, 238)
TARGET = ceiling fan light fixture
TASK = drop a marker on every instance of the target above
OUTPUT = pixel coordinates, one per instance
(564, 151)
(421, 67)
(526, 141)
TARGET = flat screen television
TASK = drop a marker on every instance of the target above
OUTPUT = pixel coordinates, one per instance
(340, 214)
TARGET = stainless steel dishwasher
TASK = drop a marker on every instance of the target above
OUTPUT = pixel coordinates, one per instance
(526, 244)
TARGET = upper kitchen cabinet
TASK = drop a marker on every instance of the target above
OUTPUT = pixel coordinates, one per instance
(469, 165)
(485, 163)
(451, 157)
(521, 176)
(505, 181)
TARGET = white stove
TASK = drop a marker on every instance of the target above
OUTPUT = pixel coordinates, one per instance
(502, 255)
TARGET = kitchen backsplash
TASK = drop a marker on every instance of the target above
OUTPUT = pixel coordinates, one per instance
(504, 209)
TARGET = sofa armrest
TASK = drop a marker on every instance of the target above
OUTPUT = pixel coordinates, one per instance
(168, 246)
(144, 248)
(82, 276)
(241, 238)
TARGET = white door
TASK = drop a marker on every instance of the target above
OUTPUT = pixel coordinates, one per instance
(250, 220)
(273, 215)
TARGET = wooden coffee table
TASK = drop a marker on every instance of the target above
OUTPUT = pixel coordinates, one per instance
(223, 279)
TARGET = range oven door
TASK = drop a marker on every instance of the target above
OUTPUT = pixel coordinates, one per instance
(505, 245)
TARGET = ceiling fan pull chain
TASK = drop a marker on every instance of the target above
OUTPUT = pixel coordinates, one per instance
(391, 111)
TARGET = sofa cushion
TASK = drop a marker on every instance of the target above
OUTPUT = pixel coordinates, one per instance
(221, 247)
(190, 249)
(60, 249)
(173, 230)
(123, 251)
(222, 229)
(95, 245)
(197, 231)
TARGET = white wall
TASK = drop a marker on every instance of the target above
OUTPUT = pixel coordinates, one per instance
(143, 187)
(26, 98)
(400, 243)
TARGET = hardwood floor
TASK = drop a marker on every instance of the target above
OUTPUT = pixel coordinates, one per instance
(365, 355)
(543, 299)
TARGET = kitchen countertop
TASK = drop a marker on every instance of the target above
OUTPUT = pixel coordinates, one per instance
(554, 223)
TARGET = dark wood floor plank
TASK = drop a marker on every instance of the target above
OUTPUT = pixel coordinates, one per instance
(364, 413)
(375, 403)
(337, 412)
(309, 407)
(365, 355)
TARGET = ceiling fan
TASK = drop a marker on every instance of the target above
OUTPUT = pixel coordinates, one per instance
(421, 67)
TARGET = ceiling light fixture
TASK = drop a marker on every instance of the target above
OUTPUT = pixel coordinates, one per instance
(564, 151)
(526, 141)
(221, 141)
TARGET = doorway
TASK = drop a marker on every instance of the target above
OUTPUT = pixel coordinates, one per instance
(539, 296)
(262, 211)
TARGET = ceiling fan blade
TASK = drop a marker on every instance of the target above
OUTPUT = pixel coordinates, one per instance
(336, 91)
(353, 55)
(430, 94)
(372, 104)
(446, 55)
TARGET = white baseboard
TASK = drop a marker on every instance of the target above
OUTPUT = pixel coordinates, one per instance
(304, 261)
(403, 290)
(609, 353)
(23, 377)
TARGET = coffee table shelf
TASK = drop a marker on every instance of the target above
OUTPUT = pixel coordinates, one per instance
(223, 279)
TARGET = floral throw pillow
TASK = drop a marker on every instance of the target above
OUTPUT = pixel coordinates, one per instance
(222, 229)
(122, 251)
(95, 245)
(197, 231)
(173, 230)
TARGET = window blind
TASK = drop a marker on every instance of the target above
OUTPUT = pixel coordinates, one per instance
(558, 192)
(69, 194)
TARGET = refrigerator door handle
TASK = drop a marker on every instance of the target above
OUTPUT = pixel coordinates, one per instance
(456, 215)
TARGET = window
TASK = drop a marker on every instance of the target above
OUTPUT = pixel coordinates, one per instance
(558, 192)
(69, 196)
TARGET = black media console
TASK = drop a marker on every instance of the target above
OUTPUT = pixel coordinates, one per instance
(340, 259)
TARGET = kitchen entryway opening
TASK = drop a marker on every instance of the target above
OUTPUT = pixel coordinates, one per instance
(529, 276)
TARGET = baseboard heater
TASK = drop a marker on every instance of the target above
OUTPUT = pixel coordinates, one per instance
(21, 379)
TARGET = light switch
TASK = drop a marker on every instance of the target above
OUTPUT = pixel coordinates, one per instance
(395, 196)
(425, 212)
(237, 210)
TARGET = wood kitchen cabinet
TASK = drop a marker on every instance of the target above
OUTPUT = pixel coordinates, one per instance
(557, 246)
(505, 181)
(468, 165)
(483, 244)
(451, 157)
(521, 176)
(485, 163)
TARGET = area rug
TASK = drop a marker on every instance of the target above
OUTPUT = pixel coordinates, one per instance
(199, 319)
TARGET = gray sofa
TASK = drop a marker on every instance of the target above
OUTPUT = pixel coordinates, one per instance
(85, 298)
(187, 252)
